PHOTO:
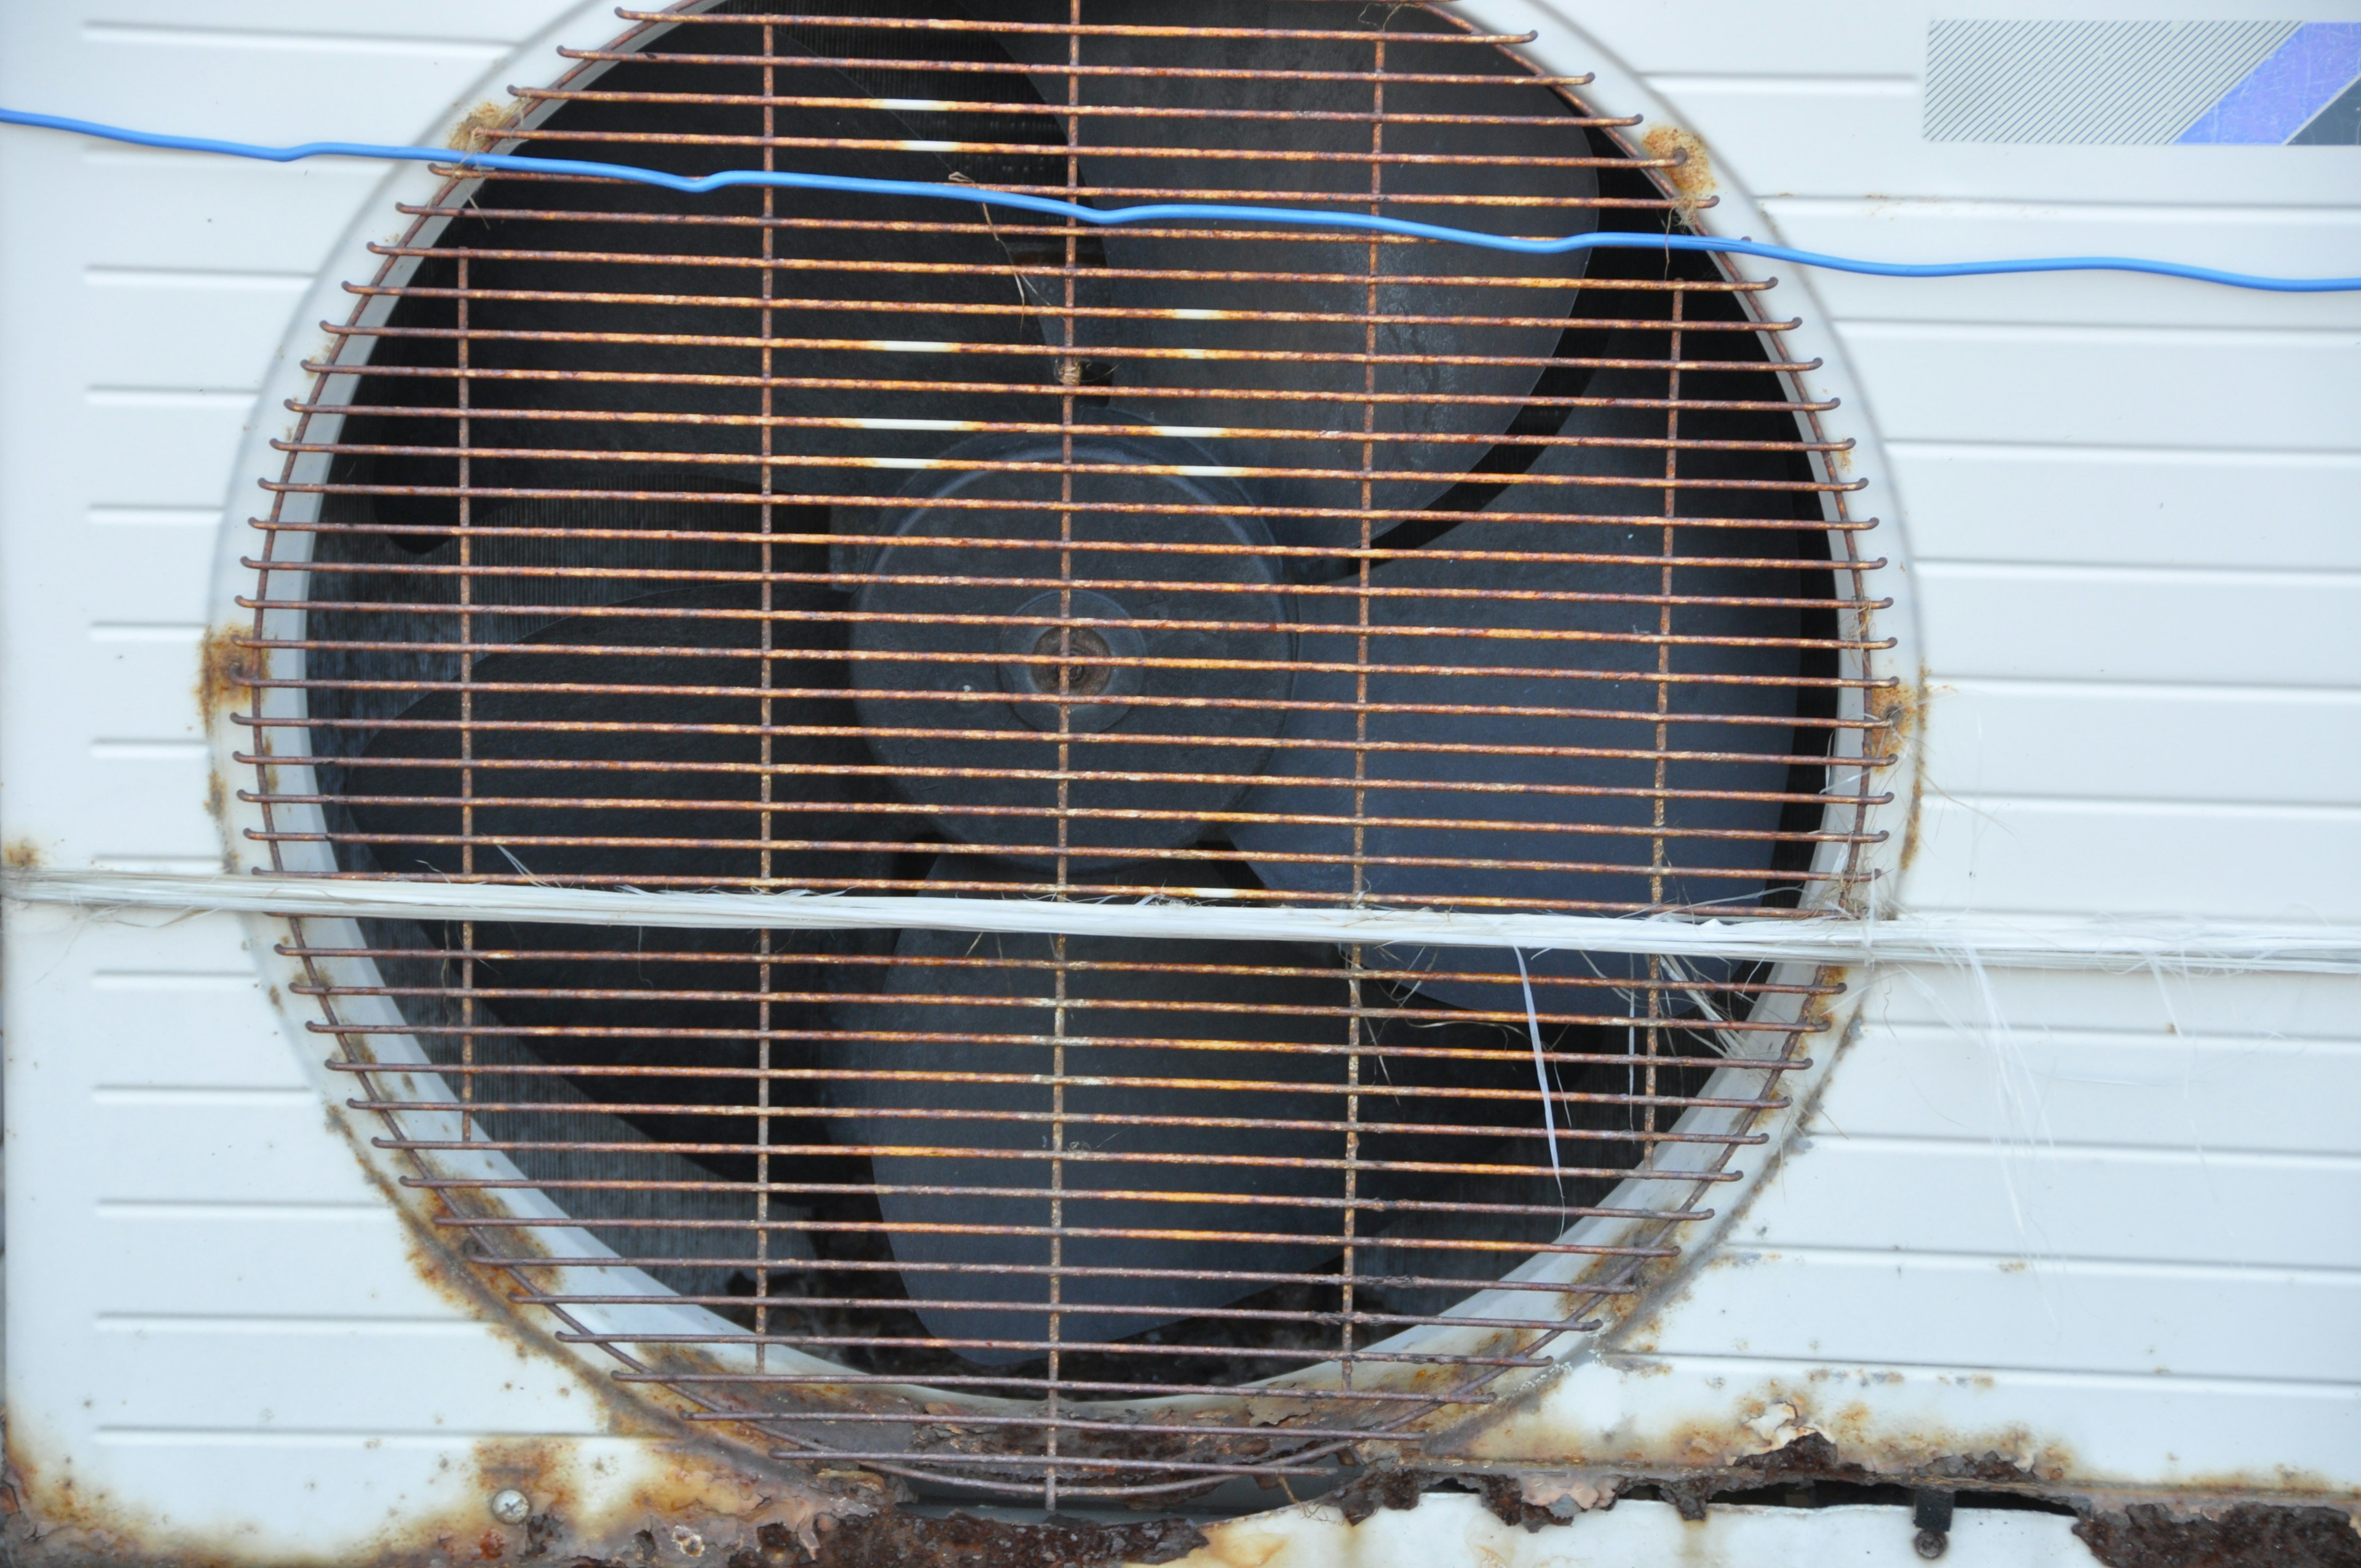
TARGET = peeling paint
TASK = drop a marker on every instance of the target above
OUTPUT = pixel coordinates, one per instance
(1565, 1493)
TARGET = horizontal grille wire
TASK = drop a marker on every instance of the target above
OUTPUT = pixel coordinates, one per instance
(755, 542)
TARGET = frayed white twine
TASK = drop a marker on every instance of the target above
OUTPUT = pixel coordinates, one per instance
(1991, 940)
(1541, 1070)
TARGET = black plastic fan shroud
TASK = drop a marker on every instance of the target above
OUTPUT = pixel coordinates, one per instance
(857, 623)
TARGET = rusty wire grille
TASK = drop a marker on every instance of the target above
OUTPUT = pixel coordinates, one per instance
(771, 542)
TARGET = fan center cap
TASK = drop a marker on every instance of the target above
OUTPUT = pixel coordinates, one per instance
(1100, 663)
(1081, 647)
(1079, 655)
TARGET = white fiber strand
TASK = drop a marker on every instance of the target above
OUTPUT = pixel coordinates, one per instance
(1997, 941)
(1541, 1071)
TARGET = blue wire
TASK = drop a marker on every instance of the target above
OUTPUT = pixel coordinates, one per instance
(1176, 212)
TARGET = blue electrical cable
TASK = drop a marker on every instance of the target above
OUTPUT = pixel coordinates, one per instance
(1174, 211)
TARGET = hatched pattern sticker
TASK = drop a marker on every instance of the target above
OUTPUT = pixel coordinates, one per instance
(2143, 84)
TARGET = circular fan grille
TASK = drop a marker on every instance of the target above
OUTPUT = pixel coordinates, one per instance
(767, 541)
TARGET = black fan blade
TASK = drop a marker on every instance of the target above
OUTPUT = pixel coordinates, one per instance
(963, 1038)
(1558, 770)
(1167, 1044)
(1160, 357)
(608, 319)
(603, 785)
(1455, 1139)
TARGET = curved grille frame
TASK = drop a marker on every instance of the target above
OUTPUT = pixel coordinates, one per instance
(1173, 1443)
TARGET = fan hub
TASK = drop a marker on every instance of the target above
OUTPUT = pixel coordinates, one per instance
(1021, 567)
(1081, 664)
(1101, 664)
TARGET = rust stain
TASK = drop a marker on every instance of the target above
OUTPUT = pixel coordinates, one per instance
(2250, 1535)
(226, 669)
(1638, 1332)
(588, 1509)
(1240, 1544)
(1903, 707)
(51, 1512)
(694, 1492)
(699, 1501)
(694, 1510)
(963, 1541)
(462, 1288)
(1691, 177)
(22, 854)
(702, 1491)
(1824, 1427)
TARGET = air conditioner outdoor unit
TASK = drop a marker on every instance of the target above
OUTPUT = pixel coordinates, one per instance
(827, 871)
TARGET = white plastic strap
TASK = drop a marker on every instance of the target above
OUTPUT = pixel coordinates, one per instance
(1961, 940)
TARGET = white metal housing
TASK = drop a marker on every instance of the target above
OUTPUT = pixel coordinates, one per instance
(2102, 1228)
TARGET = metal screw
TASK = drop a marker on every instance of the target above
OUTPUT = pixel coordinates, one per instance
(1931, 1511)
(510, 1505)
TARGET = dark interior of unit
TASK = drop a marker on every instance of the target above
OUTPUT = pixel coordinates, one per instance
(383, 704)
